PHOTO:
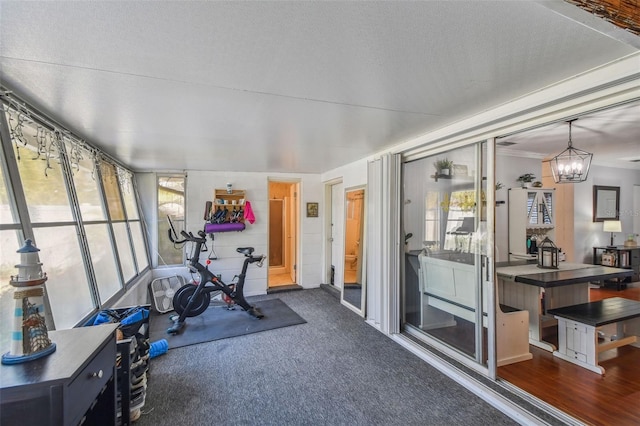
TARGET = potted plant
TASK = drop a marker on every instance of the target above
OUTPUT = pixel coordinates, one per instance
(443, 167)
(525, 179)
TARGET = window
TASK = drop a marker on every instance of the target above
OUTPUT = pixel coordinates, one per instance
(41, 172)
(133, 219)
(118, 189)
(67, 289)
(171, 202)
(77, 206)
(6, 211)
(10, 235)
(8, 246)
(103, 260)
(42, 176)
(112, 191)
(94, 218)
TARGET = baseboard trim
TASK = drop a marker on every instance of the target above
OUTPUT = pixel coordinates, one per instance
(332, 290)
(283, 288)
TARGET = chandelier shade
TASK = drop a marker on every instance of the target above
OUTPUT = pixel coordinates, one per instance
(571, 165)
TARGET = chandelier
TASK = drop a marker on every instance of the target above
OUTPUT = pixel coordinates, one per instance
(572, 164)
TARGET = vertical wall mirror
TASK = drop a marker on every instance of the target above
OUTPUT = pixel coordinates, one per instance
(353, 290)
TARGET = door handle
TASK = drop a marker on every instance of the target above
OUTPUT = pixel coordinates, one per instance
(487, 267)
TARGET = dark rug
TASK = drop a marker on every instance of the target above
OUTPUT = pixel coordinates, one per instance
(219, 323)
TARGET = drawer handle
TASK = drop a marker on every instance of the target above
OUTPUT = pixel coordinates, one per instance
(98, 374)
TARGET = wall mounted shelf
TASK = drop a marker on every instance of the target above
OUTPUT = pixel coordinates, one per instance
(226, 211)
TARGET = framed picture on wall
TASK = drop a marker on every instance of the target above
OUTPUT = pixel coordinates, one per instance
(606, 203)
(460, 170)
(312, 209)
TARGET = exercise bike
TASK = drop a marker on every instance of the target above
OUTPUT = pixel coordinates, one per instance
(191, 300)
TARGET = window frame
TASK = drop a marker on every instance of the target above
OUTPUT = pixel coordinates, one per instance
(178, 224)
(23, 224)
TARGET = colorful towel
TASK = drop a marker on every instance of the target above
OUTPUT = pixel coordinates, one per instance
(248, 213)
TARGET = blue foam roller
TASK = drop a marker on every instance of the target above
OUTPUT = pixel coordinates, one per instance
(159, 347)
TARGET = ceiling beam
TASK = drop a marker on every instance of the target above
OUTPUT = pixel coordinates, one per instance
(622, 13)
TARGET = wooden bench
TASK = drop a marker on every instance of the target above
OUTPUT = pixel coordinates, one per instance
(450, 288)
(578, 329)
(512, 335)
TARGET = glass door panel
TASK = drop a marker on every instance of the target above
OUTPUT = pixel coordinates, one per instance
(444, 224)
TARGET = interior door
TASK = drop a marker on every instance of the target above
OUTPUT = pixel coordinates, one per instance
(292, 240)
(284, 212)
(337, 234)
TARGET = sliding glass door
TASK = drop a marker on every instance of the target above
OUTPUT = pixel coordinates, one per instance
(445, 234)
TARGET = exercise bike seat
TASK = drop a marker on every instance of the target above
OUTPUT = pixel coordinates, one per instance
(247, 251)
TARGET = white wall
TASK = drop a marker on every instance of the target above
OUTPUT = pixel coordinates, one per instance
(589, 234)
(200, 189)
(353, 174)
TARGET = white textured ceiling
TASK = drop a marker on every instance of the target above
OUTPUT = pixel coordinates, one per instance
(612, 135)
(282, 86)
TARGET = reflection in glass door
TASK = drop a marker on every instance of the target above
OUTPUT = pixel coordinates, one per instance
(353, 289)
(444, 225)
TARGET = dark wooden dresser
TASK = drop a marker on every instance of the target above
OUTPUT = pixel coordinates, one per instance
(74, 385)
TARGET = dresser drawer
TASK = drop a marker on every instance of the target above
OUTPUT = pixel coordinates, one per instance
(85, 387)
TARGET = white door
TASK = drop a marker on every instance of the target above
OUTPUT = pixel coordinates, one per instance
(292, 229)
(337, 233)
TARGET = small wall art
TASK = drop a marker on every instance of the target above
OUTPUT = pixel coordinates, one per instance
(312, 209)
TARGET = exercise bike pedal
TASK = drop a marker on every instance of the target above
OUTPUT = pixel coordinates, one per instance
(176, 327)
(255, 312)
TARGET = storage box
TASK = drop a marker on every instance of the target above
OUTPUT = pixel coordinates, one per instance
(608, 259)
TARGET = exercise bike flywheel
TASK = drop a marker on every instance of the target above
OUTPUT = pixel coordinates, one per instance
(183, 296)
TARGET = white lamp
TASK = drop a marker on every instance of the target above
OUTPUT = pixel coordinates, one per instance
(612, 226)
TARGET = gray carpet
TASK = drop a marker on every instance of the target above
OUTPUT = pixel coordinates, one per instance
(353, 294)
(217, 322)
(333, 370)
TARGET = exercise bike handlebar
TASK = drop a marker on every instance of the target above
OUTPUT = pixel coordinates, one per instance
(188, 237)
(202, 238)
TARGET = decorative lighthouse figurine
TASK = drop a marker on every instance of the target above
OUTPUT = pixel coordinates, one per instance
(29, 339)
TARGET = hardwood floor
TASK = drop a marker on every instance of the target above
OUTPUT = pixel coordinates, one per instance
(277, 280)
(612, 399)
